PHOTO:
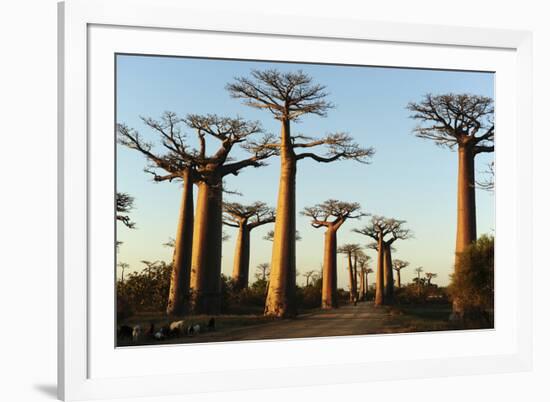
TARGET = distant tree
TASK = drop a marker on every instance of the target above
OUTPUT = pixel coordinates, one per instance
(349, 251)
(363, 267)
(124, 204)
(290, 96)
(398, 265)
(262, 271)
(429, 277)
(419, 271)
(123, 266)
(270, 235)
(378, 228)
(331, 215)
(310, 275)
(245, 218)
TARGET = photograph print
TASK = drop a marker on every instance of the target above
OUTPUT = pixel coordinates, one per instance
(270, 200)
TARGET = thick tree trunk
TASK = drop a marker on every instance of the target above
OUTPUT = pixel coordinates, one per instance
(379, 297)
(350, 274)
(398, 278)
(207, 250)
(466, 204)
(241, 261)
(281, 296)
(178, 296)
(366, 286)
(388, 276)
(329, 297)
(355, 294)
(466, 207)
(362, 284)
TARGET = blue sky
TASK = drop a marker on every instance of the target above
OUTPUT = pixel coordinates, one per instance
(409, 178)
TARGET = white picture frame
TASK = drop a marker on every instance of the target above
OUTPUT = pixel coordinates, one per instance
(89, 369)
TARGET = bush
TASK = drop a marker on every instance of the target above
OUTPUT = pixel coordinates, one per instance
(144, 291)
(472, 284)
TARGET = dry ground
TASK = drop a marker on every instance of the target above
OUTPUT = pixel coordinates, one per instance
(362, 319)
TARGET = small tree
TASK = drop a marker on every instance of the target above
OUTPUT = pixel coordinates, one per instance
(331, 215)
(429, 277)
(378, 228)
(245, 218)
(349, 251)
(419, 271)
(398, 265)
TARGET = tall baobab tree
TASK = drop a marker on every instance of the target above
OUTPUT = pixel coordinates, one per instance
(378, 229)
(262, 271)
(349, 251)
(123, 267)
(331, 215)
(176, 163)
(124, 204)
(398, 265)
(465, 122)
(290, 96)
(245, 218)
(429, 277)
(367, 272)
(207, 234)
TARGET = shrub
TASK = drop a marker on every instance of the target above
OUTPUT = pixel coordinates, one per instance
(472, 284)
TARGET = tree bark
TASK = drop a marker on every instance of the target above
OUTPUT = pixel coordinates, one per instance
(329, 297)
(178, 296)
(466, 204)
(281, 296)
(362, 284)
(398, 278)
(350, 270)
(388, 276)
(379, 297)
(241, 261)
(366, 286)
(466, 207)
(355, 295)
(207, 249)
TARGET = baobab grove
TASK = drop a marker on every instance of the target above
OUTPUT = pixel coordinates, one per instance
(270, 167)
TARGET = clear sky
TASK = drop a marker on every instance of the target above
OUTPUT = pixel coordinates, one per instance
(409, 178)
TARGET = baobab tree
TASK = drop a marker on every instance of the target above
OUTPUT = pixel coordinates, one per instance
(271, 234)
(367, 272)
(331, 215)
(398, 265)
(378, 228)
(349, 251)
(465, 122)
(363, 265)
(310, 275)
(418, 271)
(124, 204)
(245, 218)
(176, 163)
(429, 277)
(262, 271)
(123, 267)
(211, 169)
(290, 96)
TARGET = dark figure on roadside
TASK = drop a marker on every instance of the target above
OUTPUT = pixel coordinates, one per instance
(211, 324)
(125, 332)
(151, 331)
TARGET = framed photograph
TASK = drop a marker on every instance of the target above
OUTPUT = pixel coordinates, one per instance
(253, 201)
